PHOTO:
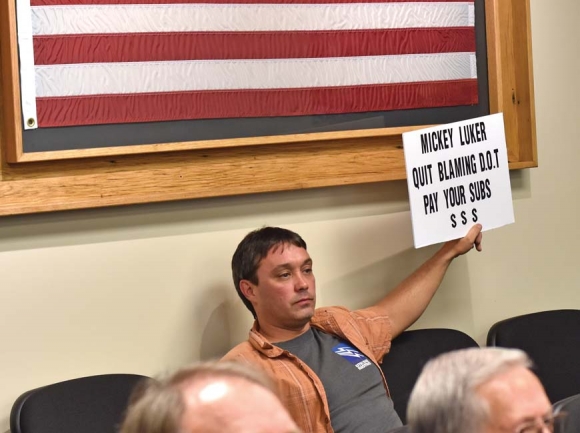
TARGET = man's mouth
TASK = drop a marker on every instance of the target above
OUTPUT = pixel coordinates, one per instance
(304, 301)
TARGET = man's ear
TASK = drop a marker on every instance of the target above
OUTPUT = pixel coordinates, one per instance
(247, 289)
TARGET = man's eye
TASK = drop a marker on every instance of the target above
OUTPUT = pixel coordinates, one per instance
(308, 271)
(284, 275)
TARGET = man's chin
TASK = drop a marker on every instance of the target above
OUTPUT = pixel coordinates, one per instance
(306, 314)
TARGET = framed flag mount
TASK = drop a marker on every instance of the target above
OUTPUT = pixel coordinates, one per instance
(106, 114)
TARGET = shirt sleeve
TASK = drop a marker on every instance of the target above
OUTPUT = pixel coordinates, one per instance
(376, 328)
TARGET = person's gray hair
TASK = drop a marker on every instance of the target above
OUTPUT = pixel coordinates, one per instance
(157, 406)
(444, 399)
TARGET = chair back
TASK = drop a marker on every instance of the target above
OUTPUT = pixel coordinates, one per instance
(571, 407)
(552, 341)
(94, 404)
(409, 352)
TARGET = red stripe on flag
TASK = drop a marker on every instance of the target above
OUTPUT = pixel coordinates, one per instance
(251, 103)
(142, 47)
(130, 2)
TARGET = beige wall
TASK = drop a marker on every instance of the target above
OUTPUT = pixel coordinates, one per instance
(146, 288)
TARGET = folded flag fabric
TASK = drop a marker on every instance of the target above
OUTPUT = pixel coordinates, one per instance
(122, 61)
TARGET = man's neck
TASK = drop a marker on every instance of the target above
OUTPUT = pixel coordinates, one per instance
(276, 334)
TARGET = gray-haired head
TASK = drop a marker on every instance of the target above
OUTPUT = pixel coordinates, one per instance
(444, 399)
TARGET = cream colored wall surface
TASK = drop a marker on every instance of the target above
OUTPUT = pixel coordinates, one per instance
(147, 288)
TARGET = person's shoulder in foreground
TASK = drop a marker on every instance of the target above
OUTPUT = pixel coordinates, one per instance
(480, 390)
(208, 398)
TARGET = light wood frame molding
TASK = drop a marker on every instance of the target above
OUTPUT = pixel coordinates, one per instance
(152, 173)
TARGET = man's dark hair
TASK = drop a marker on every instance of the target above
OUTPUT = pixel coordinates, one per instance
(253, 248)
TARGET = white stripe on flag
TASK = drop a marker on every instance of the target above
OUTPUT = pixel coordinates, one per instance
(142, 77)
(55, 20)
(26, 54)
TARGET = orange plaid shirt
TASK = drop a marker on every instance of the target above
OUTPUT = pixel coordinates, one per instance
(300, 388)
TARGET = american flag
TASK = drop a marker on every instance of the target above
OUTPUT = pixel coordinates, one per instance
(122, 61)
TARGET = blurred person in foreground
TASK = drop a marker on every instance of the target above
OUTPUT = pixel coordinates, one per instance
(480, 390)
(208, 398)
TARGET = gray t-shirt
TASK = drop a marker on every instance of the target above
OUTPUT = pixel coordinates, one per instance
(354, 387)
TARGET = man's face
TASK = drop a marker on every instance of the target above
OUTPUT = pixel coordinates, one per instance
(516, 399)
(285, 295)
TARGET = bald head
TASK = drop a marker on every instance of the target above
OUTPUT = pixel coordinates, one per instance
(234, 405)
(208, 398)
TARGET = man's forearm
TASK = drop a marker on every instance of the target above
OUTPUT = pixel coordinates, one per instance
(410, 298)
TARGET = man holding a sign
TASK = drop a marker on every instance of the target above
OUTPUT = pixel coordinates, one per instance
(325, 361)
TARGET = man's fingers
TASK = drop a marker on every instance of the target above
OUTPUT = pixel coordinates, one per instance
(478, 239)
(474, 233)
(473, 237)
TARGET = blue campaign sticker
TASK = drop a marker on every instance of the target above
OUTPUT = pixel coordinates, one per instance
(352, 355)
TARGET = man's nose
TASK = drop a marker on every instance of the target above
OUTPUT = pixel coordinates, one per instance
(300, 283)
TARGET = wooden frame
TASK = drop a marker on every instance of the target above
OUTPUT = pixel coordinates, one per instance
(52, 181)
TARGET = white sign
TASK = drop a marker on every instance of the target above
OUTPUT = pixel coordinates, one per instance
(458, 175)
